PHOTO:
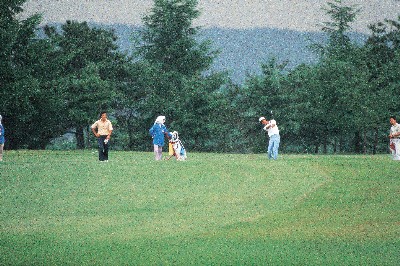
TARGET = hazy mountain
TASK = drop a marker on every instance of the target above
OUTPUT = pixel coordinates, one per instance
(243, 51)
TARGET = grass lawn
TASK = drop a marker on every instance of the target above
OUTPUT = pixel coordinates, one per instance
(66, 208)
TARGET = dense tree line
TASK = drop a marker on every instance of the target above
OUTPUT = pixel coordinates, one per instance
(59, 82)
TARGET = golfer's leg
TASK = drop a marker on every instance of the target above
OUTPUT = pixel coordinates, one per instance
(105, 151)
(270, 147)
(159, 152)
(100, 143)
(156, 152)
(397, 149)
(276, 146)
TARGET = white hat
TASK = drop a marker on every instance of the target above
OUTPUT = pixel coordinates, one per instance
(160, 119)
(261, 119)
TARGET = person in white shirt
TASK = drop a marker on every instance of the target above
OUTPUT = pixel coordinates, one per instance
(394, 137)
(274, 137)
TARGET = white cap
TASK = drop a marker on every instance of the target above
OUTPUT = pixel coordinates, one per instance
(261, 119)
(160, 119)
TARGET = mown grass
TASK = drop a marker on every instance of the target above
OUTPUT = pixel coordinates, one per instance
(66, 208)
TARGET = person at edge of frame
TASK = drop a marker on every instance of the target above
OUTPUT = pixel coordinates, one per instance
(394, 137)
(103, 135)
(2, 139)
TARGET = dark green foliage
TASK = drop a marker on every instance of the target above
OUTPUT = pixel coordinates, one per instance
(382, 55)
(27, 93)
(168, 80)
(60, 83)
(260, 96)
(340, 104)
(168, 38)
(88, 66)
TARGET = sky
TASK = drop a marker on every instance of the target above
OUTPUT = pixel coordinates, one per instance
(300, 15)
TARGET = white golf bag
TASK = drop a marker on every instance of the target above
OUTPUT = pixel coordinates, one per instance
(178, 149)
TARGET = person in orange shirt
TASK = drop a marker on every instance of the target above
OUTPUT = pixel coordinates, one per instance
(102, 129)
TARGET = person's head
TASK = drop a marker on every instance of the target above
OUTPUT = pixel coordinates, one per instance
(393, 120)
(160, 119)
(103, 116)
(263, 120)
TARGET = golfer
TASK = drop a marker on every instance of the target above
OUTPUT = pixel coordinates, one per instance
(394, 137)
(103, 134)
(274, 138)
(158, 131)
(2, 139)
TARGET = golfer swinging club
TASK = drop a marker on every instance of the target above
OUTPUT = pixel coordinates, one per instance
(274, 138)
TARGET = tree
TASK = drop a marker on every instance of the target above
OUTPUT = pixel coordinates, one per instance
(168, 38)
(261, 95)
(382, 50)
(29, 101)
(304, 116)
(337, 75)
(167, 77)
(88, 61)
(139, 102)
(381, 56)
(207, 113)
(339, 44)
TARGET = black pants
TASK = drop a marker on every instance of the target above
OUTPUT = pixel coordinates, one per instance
(103, 148)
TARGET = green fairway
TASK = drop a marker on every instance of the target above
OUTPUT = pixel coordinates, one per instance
(66, 208)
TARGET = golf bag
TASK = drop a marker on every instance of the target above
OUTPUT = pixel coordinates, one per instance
(176, 147)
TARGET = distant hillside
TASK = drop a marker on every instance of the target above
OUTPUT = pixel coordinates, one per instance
(242, 51)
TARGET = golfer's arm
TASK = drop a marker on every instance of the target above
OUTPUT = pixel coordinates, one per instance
(393, 135)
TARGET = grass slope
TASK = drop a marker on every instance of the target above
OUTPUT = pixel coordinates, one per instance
(67, 208)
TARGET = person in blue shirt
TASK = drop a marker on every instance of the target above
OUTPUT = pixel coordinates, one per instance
(2, 139)
(158, 132)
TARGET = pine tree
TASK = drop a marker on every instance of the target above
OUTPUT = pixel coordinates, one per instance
(168, 38)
